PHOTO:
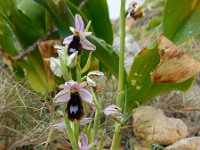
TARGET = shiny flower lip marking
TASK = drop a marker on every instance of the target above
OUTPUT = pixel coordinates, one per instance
(78, 40)
(74, 93)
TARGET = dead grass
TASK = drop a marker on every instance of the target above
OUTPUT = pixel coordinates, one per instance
(23, 114)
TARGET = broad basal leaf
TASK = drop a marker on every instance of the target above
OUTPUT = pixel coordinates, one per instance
(7, 38)
(175, 66)
(181, 19)
(25, 25)
(141, 88)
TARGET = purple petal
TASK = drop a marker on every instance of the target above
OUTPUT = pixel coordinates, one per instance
(62, 96)
(113, 110)
(79, 24)
(85, 95)
(83, 84)
(68, 40)
(62, 86)
(71, 83)
(59, 125)
(86, 44)
(107, 113)
(78, 86)
(85, 121)
(84, 140)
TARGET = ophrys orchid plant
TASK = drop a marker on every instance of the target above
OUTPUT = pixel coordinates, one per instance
(78, 93)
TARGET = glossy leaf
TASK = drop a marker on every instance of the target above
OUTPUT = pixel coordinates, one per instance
(141, 88)
(34, 11)
(181, 19)
(25, 24)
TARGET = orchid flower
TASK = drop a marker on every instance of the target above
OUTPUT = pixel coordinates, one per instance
(82, 122)
(74, 93)
(83, 145)
(78, 40)
(113, 111)
(91, 76)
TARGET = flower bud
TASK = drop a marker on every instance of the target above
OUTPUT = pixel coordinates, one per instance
(55, 66)
(72, 60)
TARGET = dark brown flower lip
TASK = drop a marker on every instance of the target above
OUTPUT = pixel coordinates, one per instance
(74, 108)
(75, 45)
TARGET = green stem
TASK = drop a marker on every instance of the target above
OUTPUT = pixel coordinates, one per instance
(69, 131)
(117, 137)
(96, 118)
(95, 127)
(122, 49)
(78, 69)
(121, 86)
(77, 129)
(101, 140)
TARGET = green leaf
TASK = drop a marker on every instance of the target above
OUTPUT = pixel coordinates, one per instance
(7, 38)
(35, 81)
(181, 19)
(24, 23)
(33, 10)
(63, 17)
(105, 54)
(9, 47)
(27, 20)
(5, 7)
(97, 12)
(141, 88)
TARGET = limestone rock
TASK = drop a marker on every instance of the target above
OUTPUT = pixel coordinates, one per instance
(192, 143)
(151, 125)
(140, 147)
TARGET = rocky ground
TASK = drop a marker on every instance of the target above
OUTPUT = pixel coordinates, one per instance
(171, 120)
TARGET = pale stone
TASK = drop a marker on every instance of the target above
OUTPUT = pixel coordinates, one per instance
(151, 125)
(140, 147)
(192, 143)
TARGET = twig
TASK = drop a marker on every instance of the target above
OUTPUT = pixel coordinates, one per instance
(32, 48)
